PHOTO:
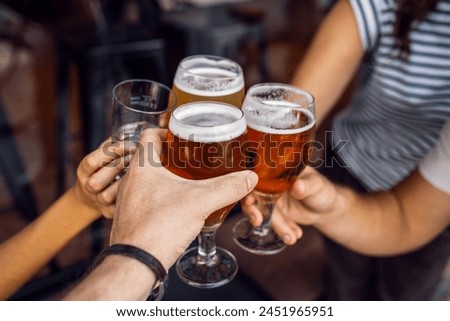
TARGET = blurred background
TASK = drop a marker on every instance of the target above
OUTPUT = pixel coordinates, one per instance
(58, 63)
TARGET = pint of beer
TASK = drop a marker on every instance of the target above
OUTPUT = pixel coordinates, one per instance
(281, 127)
(205, 140)
(209, 78)
(280, 152)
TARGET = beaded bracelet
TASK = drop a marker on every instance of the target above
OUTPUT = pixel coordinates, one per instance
(142, 256)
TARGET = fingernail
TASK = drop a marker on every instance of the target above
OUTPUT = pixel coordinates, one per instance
(252, 179)
(286, 239)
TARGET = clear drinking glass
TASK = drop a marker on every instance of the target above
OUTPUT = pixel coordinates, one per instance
(139, 104)
(281, 130)
(209, 78)
(205, 140)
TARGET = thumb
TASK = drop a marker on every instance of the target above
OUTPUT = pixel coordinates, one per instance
(230, 188)
(314, 191)
(307, 185)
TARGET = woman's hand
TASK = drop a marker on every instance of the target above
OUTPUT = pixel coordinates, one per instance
(96, 185)
(311, 199)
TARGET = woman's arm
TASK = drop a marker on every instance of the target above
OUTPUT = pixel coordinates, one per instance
(379, 224)
(332, 59)
(23, 255)
(388, 223)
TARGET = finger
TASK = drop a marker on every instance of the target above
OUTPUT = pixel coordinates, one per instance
(248, 200)
(150, 147)
(102, 156)
(249, 208)
(155, 135)
(162, 134)
(227, 189)
(315, 192)
(108, 211)
(309, 183)
(109, 195)
(101, 179)
(254, 215)
(287, 229)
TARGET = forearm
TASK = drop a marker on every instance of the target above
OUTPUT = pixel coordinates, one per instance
(372, 225)
(116, 278)
(388, 223)
(23, 255)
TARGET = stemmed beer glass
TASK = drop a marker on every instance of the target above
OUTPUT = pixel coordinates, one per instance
(209, 78)
(205, 140)
(139, 104)
(281, 129)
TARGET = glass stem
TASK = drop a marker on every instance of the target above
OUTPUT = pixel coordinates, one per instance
(207, 246)
(265, 203)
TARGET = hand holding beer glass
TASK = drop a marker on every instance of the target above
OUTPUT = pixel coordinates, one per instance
(209, 78)
(281, 129)
(205, 140)
(139, 104)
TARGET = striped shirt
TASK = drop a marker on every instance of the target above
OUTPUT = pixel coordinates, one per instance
(397, 113)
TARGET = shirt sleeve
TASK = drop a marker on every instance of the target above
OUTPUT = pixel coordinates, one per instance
(368, 18)
(435, 167)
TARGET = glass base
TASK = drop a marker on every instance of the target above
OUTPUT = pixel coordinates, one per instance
(265, 242)
(221, 270)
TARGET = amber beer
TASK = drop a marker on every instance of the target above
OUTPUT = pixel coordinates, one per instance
(205, 140)
(281, 125)
(279, 151)
(209, 78)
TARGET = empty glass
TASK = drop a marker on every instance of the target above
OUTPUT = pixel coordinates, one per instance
(140, 104)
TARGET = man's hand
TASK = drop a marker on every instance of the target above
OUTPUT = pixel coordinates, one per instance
(161, 212)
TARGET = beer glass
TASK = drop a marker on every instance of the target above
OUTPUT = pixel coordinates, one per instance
(209, 78)
(205, 140)
(140, 104)
(281, 129)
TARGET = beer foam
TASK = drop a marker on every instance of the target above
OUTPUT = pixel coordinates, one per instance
(209, 81)
(272, 117)
(207, 122)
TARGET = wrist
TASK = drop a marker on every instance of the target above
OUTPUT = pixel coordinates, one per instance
(159, 250)
(85, 206)
(154, 237)
(133, 278)
(159, 273)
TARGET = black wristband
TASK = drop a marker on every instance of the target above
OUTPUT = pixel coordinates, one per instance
(142, 256)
